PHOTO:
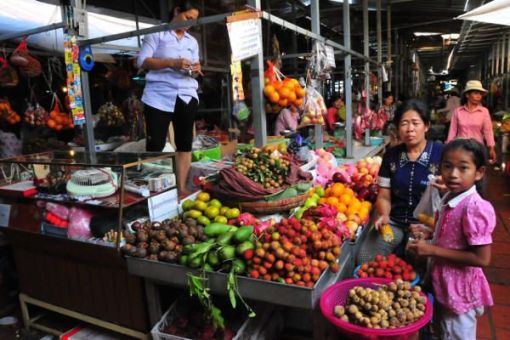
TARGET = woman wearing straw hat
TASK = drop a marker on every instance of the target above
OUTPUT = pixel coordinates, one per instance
(472, 120)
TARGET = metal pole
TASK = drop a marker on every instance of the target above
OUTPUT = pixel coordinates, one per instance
(290, 26)
(397, 66)
(88, 128)
(496, 57)
(257, 84)
(348, 79)
(379, 53)
(158, 28)
(388, 42)
(32, 31)
(366, 51)
(316, 23)
(316, 28)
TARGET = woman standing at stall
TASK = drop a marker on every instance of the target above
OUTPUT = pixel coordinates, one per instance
(472, 120)
(403, 177)
(170, 93)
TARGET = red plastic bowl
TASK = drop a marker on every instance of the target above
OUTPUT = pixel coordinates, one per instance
(338, 293)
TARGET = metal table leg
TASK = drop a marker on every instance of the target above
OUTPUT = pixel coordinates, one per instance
(153, 301)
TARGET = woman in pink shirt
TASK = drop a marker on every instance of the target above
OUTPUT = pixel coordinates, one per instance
(288, 119)
(461, 245)
(472, 120)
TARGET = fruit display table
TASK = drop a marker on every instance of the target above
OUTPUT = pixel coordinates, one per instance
(158, 273)
(359, 151)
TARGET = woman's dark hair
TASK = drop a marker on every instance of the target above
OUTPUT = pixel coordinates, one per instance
(387, 94)
(333, 99)
(477, 150)
(415, 105)
(183, 6)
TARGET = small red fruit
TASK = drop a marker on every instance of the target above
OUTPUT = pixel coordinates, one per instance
(262, 270)
(267, 277)
(289, 281)
(279, 265)
(301, 283)
(363, 275)
(379, 258)
(248, 254)
(268, 265)
(254, 274)
(379, 272)
(289, 267)
(334, 267)
(257, 260)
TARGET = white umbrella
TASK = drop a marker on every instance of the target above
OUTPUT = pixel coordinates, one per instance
(495, 12)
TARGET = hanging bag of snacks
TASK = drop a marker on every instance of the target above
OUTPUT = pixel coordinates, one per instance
(110, 115)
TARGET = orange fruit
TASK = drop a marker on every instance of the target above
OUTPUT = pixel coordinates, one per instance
(268, 90)
(337, 189)
(351, 211)
(332, 201)
(322, 200)
(51, 123)
(274, 97)
(283, 102)
(300, 92)
(349, 191)
(366, 204)
(277, 85)
(341, 207)
(292, 96)
(298, 102)
(327, 192)
(355, 204)
(345, 198)
(284, 92)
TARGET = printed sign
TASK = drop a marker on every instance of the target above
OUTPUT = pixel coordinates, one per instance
(245, 38)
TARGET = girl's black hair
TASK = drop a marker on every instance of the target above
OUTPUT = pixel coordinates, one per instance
(471, 145)
(183, 6)
(333, 99)
(387, 94)
(415, 105)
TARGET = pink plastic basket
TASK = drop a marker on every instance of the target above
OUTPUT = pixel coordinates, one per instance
(337, 295)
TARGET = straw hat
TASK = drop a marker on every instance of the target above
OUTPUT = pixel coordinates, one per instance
(474, 85)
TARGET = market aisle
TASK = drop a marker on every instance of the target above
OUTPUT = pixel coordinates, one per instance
(494, 324)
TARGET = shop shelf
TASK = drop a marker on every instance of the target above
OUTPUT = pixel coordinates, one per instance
(255, 289)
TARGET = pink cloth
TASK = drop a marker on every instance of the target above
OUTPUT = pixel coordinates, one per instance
(466, 220)
(287, 120)
(476, 124)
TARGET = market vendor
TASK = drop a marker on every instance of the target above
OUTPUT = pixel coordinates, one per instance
(403, 177)
(336, 112)
(170, 94)
(288, 119)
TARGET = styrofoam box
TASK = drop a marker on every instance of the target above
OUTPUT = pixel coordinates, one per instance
(168, 317)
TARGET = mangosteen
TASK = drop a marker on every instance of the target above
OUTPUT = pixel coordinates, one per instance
(188, 240)
(178, 248)
(135, 226)
(156, 225)
(171, 257)
(142, 236)
(154, 247)
(202, 237)
(161, 236)
(193, 231)
(162, 255)
(146, 225)
(191, 222)
(141, 252)
(171, 231)
(127, 249)
(153, 257)
(168, 245)
(130, 238)
(153, 234)
(143, 245)
(183, 228)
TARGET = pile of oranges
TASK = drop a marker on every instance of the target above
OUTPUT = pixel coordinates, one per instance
(345, 201)
(7, 114)
(284, 92)
(59, 120)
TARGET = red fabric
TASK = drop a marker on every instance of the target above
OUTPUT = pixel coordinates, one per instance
(332, 117)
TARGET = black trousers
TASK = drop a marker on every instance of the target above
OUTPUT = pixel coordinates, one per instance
(157, 122)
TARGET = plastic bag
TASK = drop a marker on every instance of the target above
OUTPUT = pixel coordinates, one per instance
(61, 211)
(429, 204)
(320, 64)
(79, 223)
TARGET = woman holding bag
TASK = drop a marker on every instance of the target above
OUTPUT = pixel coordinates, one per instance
(403, 177)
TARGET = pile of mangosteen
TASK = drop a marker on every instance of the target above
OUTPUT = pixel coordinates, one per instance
(162, 241)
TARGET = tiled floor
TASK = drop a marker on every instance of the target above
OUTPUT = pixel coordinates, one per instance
(495, 324)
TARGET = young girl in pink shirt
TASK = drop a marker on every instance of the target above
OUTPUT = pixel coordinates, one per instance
(461, 245)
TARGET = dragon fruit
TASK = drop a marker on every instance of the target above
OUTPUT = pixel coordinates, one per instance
(245, 219)
(327, 216)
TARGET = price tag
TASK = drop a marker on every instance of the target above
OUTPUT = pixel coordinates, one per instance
(5, 213)
(244, 38)
(163, 206)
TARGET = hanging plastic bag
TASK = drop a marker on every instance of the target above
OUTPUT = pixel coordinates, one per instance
(429, 204)
(321, 64)
(28, 65)
(240, 111)
(79, 223)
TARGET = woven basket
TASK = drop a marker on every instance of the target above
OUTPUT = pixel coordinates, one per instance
(265, 207)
